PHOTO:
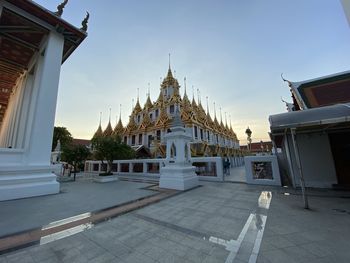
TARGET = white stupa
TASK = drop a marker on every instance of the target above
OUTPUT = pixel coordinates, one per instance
(178, 172)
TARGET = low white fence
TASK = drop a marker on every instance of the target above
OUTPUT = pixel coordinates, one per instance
(207, 168)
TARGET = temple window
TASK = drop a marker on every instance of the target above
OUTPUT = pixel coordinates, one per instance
(138, 118)
(140, 138)
(158, 135)
(133, 140)
(125, 139)
(157, 113)
(195, 132)
(168, 130)
(171, 109)
(201, 132)
(208, 136)
(173, 151)
(151, 116)
(149, 140)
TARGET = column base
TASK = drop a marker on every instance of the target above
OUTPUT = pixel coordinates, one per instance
(23, 182)
(178, 177)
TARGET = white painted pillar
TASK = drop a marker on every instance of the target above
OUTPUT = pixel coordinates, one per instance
(46, 85)
(144, 167)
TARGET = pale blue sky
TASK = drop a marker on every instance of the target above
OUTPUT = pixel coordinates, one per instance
(233, 51)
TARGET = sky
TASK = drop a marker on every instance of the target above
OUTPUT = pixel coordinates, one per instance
(233, 51)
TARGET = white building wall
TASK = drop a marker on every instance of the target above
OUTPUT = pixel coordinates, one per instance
(27, 171)
(316, 160)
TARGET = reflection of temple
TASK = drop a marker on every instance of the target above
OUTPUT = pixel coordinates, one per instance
(149, 124)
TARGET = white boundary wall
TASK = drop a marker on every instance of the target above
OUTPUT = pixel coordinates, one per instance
(249, 160)
(210, 163)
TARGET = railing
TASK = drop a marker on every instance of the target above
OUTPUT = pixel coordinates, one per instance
(207, 168)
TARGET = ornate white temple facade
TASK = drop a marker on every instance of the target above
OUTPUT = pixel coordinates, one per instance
(148, 124)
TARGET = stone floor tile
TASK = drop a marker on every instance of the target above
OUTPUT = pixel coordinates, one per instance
(137, 258)
(278, 241)
(299, 254)
(278, 256)
(156, 253)
(21, 256)
(195, 256)
(220, 253)
(262, 259)
(104, 258)
(39, 253)
(318, 249)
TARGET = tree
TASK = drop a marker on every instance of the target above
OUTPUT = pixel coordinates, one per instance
(111, 148)
(62, 134)
(75, 155)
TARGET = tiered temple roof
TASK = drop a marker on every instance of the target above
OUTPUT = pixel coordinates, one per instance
(158, 115)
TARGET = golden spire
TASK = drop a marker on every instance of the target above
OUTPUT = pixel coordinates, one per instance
(185, 86)
(108, 131)
(137, 107)
(207, 105)
(98, 132)
(216, 123)
(214, 111)
(100, 117)
(148, 103)
(220, 116)
(120, 111)
(169, 62)
(198, 96)
(119, 128)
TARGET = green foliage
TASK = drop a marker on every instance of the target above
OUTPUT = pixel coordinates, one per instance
(111, 148)
(75, 154)
(62, 134)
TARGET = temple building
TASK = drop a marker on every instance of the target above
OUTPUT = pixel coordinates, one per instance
(148, 124)
(34, 42)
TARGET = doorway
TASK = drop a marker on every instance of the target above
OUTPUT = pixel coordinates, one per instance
(340, 145)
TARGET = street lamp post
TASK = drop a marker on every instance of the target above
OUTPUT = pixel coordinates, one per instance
(249, 138)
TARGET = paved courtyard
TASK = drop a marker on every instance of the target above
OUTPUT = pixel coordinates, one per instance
(74, 198)
(217, 222)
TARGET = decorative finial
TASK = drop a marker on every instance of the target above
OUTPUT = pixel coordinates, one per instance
(193, 92)
(185, 84)
(169, 61)
(225, 119)
(214, 110)
(100, 117)
(149, 88)
(138, 94)
(198, 96)
(60, 8)
(132, 104)
(229, 116)
(207, 105)
(110, 111)
(220, 115)
(84, 23)
(285, 80)
(120, 111)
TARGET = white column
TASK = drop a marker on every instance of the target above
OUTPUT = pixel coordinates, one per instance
(46, 85)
